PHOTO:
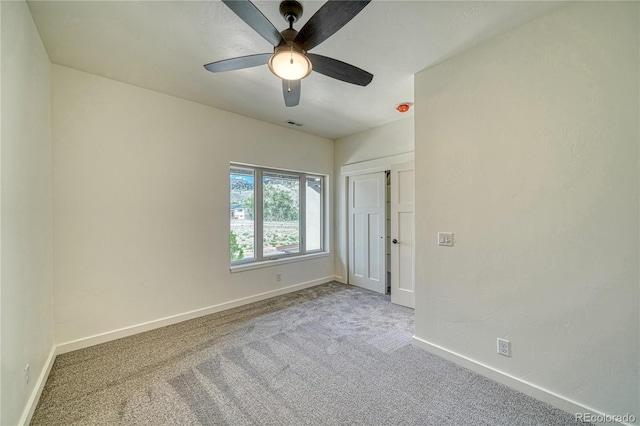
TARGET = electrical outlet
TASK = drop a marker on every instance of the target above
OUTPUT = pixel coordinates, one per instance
(26, 376)
(278, 276)
(504, 347)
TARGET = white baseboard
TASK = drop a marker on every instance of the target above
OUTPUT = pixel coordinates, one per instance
(520, 385)
(25, 419)
(339, 279)
(162, 322)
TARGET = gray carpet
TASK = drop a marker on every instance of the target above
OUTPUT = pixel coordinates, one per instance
(329, 355)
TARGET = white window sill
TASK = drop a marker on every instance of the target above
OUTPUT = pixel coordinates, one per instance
(267, 263)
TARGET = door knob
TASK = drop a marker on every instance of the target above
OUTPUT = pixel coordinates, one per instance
(394, 241)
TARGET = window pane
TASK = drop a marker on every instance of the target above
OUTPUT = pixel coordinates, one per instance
(242, 237)
(314, 213)
(281, 214)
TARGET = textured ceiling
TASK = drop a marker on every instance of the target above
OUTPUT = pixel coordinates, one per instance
(162, 46)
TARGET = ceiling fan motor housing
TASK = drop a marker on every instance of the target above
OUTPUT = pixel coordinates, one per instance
(288, 36)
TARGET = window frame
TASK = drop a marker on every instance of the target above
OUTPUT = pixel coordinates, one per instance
(259, 259)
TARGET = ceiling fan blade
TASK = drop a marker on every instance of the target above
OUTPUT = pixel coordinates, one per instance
(238, 63)
(291, 92)
(339, 70)
(250, 14)
(332, 16)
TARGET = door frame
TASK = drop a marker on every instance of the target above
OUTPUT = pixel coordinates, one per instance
(354, 169)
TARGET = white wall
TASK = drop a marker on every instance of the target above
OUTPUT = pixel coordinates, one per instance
(26, 220)
(384, 141)
(527, 149)
(141, 204)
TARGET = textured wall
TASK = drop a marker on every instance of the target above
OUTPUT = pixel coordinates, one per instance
(141, 203)
(527, 149)
(26, 244)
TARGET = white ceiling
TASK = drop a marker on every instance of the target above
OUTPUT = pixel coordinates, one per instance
(162, 46)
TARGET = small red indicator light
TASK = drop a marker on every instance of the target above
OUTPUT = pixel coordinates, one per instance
(403, 108)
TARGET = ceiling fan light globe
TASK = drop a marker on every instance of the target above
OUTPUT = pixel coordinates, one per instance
(289, 64)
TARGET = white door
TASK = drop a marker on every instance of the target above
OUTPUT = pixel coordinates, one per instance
(402, 234)
(367, 231)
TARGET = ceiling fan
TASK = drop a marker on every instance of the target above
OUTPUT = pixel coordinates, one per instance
(290, 59)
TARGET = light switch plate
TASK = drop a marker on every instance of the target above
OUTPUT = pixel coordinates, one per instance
(445, 239)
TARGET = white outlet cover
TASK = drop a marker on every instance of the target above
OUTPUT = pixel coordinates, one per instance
(504, 347)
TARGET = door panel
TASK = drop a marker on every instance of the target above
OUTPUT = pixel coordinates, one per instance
(366, 193)
(359, 260)
(402, 230)
(366, 231)
(405, 251)
(374, 247)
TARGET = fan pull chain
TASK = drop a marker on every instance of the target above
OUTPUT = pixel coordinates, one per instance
(291, 60)
(289, 86)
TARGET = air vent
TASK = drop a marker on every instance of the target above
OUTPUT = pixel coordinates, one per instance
(293, 123)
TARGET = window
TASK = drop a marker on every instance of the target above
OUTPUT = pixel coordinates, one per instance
(274, 214)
